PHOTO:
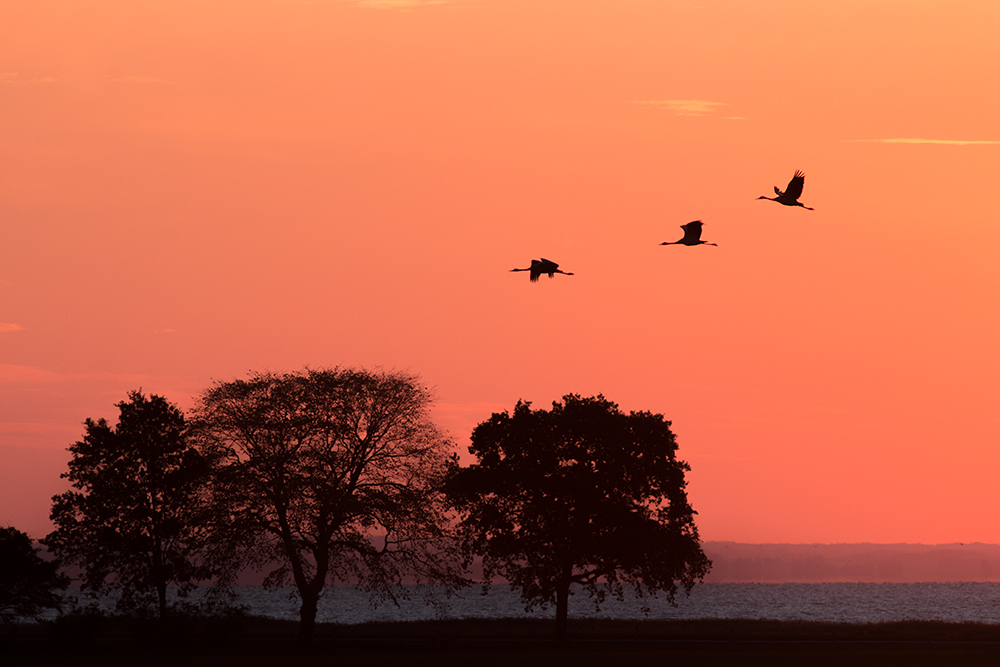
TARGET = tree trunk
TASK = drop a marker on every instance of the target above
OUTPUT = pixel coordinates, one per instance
(161, 592)
(159, 580)
(562, 607)
(307, 616)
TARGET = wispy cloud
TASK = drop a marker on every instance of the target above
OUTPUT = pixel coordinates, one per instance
(7, 326)
(403, 4)
(19, 384)
(684, 107)
(43, 409)
(141, 79)
(15, 77)
(944, 142)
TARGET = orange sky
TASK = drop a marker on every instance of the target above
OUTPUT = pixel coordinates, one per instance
(193, 189)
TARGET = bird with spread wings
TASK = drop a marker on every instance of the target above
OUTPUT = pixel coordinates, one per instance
(790, 197)
(692, 235)
(538, 267)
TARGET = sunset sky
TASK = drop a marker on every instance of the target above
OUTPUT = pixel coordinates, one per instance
(194, 189)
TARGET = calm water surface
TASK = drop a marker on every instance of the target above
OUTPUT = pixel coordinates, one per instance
(852, 603)
(842, 603)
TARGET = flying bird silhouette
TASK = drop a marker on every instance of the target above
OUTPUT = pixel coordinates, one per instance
(790, 197)
(538, 267)
(692, 235)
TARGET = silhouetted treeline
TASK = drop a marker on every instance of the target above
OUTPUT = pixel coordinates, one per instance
(337, 475)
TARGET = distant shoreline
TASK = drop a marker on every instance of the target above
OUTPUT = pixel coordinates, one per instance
(781, 563)
(735, 562)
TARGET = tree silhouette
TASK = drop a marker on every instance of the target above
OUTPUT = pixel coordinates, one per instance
(136, 521)
(330, 475)
(582, 494)
(28, 583)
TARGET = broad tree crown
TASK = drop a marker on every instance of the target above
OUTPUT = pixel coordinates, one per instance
(579, 494)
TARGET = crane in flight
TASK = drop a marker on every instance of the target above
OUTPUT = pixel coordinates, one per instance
(692, 235)
(790, 197)
(538, 267)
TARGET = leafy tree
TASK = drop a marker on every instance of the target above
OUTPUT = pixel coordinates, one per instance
(136, 521)
(28, 583)
(330, 475)
(582, 494)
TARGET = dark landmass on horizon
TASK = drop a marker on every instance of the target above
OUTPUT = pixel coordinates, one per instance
(739, 562)
(735, 562)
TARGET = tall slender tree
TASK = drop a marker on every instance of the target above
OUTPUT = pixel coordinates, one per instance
(330, 475)
(135, 521)
(579, 494)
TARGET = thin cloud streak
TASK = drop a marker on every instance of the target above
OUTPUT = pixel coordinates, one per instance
(140, 79)
(6, 327)
(15, 77)
(943, 142)
(684, 107)
(15, 379)
(402, 4)
(11, 374)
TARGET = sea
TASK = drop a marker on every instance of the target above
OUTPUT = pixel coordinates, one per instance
(829, 602)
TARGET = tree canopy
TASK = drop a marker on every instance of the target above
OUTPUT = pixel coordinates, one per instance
(28, 583)
(135, 521)
(330, 475)
(579, 494)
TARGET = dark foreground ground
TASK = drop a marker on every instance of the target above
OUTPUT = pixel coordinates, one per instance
(249, 642)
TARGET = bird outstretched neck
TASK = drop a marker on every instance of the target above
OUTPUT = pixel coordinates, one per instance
(787, 203)
(538, 267)
(790, 197)
(692, 235)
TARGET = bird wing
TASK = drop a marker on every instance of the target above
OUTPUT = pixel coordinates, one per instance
(692, 231)
(794, 190)
(548, 265)
(537, 269)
